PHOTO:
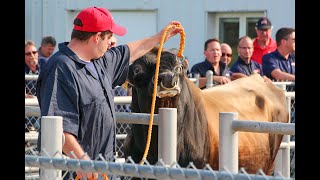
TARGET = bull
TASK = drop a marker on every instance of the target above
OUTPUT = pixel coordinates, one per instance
(198, 114)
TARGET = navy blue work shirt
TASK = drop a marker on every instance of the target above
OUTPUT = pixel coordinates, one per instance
(275, 60)
(240, 66)
(202, 68)
(67, 87)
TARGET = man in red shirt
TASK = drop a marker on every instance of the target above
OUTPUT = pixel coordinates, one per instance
(263, 43)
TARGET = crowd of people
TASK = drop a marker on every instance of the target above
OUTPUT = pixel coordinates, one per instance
(274, 60)
(77, 81)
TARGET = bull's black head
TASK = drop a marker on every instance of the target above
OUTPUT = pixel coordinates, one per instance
(172, 70)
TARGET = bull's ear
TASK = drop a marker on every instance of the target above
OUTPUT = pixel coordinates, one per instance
(185, 66)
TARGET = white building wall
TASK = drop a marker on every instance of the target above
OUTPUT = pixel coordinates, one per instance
(55, 17)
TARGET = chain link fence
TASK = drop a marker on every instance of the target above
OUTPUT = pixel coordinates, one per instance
(32, 125)
(60, 167)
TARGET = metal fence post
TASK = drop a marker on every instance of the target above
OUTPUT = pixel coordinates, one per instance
(197, 77)
(228, 142)
(209, 77)
(286, 151)
(167, 148)
(51, 143)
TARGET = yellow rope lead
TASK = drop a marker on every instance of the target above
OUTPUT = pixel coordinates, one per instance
(180, 54)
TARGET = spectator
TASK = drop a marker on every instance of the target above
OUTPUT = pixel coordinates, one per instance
(212, 52)
(263, 43)
(226, 53)
(31, 65)
(244, 66)
(173, 51)
(113, 42)
(280, 64)
(77, 82)
(48, 44)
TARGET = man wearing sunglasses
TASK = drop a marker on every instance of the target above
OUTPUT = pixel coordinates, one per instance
(31, 67)
(226, 53)
(31, 58)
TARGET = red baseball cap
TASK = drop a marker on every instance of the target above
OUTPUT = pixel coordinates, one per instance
(97, 19)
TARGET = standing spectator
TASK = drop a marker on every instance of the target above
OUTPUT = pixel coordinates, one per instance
(77, 81)
(263, 43)
(48, 44)
(280, 64)
(31, 65)
(226, 53)
(212, 52)
(244, 66)
(113, 42)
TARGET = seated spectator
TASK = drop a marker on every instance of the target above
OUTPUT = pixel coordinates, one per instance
(245, 66)
(212, 52)
(173, 51)
(263, 43)
(48, 44)
(280, 64)
(226, 53)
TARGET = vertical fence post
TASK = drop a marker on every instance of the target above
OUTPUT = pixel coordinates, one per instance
(286, 151)
(228, 142)
(282, 161)
(167, 128)
(209, 77)
(197, 77)
(51, 142)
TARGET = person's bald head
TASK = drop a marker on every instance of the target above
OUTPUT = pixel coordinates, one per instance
(245, 48)
(226, 53)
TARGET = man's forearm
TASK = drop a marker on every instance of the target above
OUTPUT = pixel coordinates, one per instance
(141, 47)
(71, 145)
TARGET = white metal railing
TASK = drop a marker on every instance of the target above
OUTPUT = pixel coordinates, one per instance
(209, 82)
(228, 138)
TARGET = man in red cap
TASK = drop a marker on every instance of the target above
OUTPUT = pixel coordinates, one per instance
(78, 79)
(263, 43)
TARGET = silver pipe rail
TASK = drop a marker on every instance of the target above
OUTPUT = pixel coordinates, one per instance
(159, 171)
(264, 127)
(31, 77)
(118, 100)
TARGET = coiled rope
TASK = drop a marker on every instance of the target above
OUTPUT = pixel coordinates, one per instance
(179, 55)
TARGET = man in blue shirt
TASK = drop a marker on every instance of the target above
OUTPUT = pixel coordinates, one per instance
(280, 64)
(46, 49)
(77, 82)
(212, 52)
(245, 66)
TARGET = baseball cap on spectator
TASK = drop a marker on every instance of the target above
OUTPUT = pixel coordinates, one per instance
(263, 24)
(97, 19)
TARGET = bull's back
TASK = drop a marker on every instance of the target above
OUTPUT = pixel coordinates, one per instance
(252, 99)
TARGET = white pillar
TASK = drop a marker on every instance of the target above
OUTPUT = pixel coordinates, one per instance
(167, 145)
(51, 143)
(228, 142)
(209, 78)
